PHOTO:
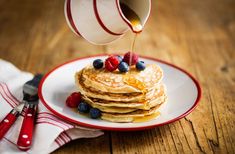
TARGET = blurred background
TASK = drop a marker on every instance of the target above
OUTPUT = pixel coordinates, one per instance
(197, 35)
(36, 31)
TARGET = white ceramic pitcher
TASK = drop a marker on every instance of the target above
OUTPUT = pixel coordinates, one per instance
(102, 21)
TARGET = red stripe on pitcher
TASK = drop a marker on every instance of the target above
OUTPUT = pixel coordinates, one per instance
(122, 15)
(70, 18)
(100, 21)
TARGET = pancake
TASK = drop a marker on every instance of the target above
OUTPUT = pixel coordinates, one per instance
(135, 116)
(109, 109)
(135, 96)
(127, 109)
(125, 97)
(157, 98)
(133, 81)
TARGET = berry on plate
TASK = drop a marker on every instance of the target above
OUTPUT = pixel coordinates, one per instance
(95, 113)
(119, 58)
(111, 63)
(140, 65)
(83, 107)
(131, 58)
(98, 63)
(73, 100)
(123, 67)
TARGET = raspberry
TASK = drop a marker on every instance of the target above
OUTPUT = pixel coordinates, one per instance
(73, 100)
(130, 58)
(111, 63)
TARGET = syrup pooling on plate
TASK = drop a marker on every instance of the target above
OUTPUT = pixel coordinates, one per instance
(146, 118)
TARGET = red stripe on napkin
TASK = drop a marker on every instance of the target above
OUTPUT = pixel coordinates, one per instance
(12, 101)
(50, 122)
(62, 139)
(53, 117)
(8, 94)
(58, 143)
(68, 136)
(4, 96)
(55, 121)
(42, 118)
(13, 97)
(61, 136)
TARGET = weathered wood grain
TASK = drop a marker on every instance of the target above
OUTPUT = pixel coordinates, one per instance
(198, 36)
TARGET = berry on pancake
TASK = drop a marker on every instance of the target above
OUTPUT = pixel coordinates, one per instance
(111, 63)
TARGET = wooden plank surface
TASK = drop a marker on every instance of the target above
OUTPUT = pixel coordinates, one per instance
(198, 36)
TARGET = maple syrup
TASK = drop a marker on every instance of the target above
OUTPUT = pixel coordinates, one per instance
(135, 23)
(132, 17)
(133, 42)
(146, 118)
(132, 81)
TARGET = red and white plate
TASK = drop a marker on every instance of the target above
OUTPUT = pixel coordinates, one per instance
(183, 93)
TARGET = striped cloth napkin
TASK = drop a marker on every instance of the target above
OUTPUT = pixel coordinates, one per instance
(50, 131)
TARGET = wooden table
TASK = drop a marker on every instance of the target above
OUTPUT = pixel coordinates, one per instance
(198, 36)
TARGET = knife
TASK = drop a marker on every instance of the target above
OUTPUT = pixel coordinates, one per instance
(30, 91)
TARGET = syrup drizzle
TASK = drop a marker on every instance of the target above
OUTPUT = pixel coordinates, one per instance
(132, 17)
(135, 22)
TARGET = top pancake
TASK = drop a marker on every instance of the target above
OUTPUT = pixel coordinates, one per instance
(133, 81)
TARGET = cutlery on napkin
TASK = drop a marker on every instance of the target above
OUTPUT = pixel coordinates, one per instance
(50, 131)
(27, 105)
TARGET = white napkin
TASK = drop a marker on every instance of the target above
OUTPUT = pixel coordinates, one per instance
(50, 132)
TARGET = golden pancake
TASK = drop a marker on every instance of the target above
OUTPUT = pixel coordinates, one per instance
(135, 116)
(125, 97)
(146, 105)
(133, 81)
(135, 96)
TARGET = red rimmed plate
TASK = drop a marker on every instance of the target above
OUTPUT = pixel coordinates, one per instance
(183, 93)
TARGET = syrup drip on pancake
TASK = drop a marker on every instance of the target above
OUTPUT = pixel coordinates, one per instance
(135, 21)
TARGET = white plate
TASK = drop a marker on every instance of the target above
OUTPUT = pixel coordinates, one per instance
(183, 93)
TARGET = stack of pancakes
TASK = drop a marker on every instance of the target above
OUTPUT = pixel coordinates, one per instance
(134, 96)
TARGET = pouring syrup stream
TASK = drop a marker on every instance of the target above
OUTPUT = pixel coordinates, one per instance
(135, 22)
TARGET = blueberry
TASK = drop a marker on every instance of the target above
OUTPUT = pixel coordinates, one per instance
(98, 63)
(95, 113)
(140, 65)
(119, 58)
(123, 67)
(83, 107)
